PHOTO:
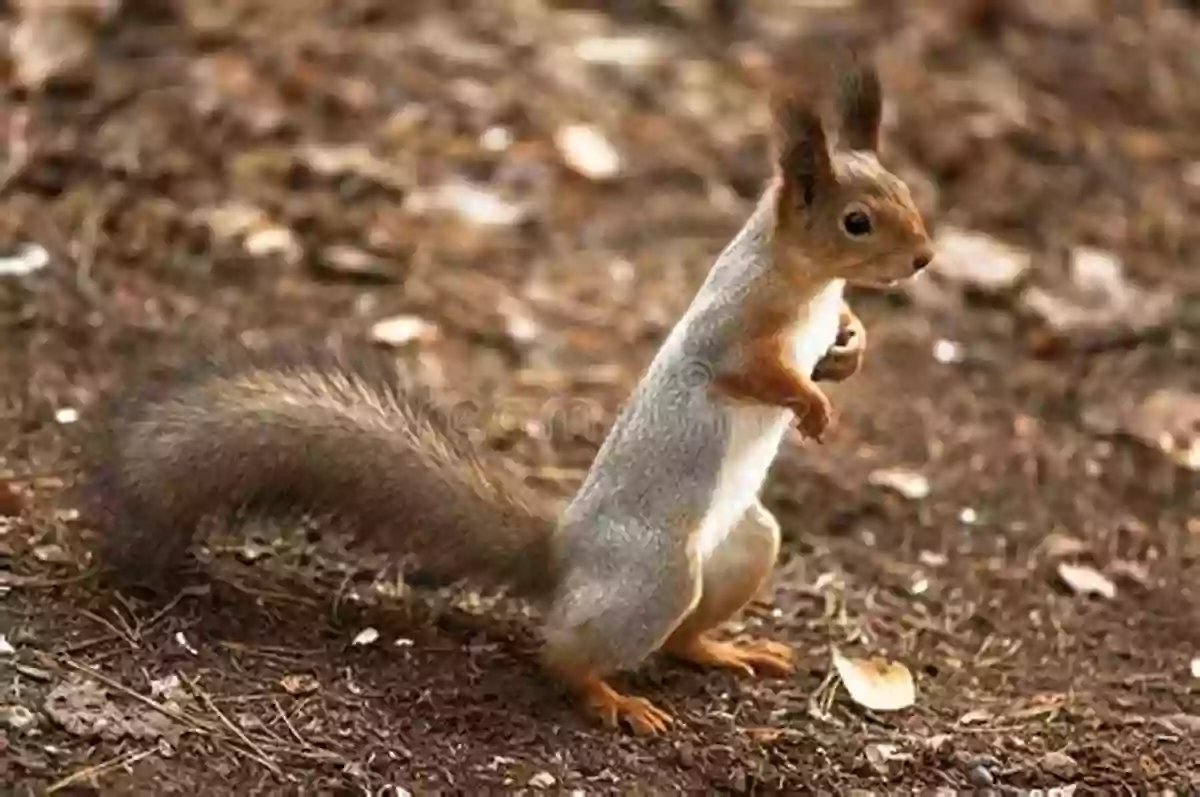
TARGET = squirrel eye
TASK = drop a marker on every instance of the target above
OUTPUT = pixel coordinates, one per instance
(856, 223)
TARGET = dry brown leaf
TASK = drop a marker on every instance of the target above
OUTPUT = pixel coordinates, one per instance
(978, 261)
(1059, 764)
(1097, 307)
(1085, 580)
(367, 636)
(875, 683)
(878, 755)
(299, 684)
(976, 717)
(908, 483)
(82, 707)
(586, 150)
(1061, 546)
(403, 330)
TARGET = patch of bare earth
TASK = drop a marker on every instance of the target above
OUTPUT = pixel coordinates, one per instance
(527, 194)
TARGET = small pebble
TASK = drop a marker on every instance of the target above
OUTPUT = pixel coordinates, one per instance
(981, 777)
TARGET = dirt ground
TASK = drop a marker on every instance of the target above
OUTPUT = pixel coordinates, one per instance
(272, 170)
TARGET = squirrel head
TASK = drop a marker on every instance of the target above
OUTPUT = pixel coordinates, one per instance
(839, 209)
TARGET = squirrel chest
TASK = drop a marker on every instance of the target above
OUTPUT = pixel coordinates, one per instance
(755, 433)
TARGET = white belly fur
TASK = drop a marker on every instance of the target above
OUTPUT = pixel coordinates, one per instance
(757, 432)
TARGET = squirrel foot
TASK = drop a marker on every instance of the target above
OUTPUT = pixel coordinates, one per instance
(750, 658)
(611, 707)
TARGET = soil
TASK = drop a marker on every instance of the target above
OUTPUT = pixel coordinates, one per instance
(1048, 129)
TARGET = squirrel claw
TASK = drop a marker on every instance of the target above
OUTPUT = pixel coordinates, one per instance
(750, 658)
(611, 707)
(815, 418)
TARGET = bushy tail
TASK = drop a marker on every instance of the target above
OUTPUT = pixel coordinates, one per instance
(306, 431)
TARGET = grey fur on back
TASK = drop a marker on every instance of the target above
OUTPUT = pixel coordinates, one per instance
(659, 465)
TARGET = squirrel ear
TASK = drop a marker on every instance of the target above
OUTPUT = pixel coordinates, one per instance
(804, 160)
(860, 103)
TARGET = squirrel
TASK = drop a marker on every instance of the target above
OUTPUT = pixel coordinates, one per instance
(665, 539)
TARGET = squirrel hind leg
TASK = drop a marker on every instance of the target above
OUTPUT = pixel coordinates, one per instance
(733, 574)
(585, 645)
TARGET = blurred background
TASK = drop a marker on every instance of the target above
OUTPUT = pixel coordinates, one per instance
(519, 198)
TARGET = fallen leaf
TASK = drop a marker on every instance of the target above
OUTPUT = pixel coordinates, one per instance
(587, 151)
(351, 160)
(232, 83)
(52, 553)
(1085, 580)
(908, 483)
(1097, 307)
(81, 707)
(366, 637)
(1060, 546)
(28, 259)
(875, 683)
(932, 558)
(234, 220)
(168, 688)
(1134, 572)
(522, 328)
(36, 673)
(628, 51)
(299, 684)
(354, 263)
(50, 45)
(542, 780)
(6, 648)
(937, 741)
(496, 139)
(1169, 421)
(472, 203)
(879, 754)
(1059, 764)
(976, 716)
(402, 330)
(17, 717)
(275, 240)
(978, 261)
(1181, 723)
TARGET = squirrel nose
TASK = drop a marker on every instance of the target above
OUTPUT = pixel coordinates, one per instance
(921, 261)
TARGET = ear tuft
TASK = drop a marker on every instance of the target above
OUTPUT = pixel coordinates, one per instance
(859, 101)
(803, 159)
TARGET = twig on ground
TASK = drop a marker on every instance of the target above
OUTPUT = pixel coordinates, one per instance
(19, 582)
(124, 634)
(193, 723)
(207, 700)
(98, 769)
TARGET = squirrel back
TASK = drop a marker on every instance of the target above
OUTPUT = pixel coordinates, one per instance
(305, 430)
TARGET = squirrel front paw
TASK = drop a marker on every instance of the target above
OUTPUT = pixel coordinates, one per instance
(845, 356)
(842, 361)
(814, 416)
